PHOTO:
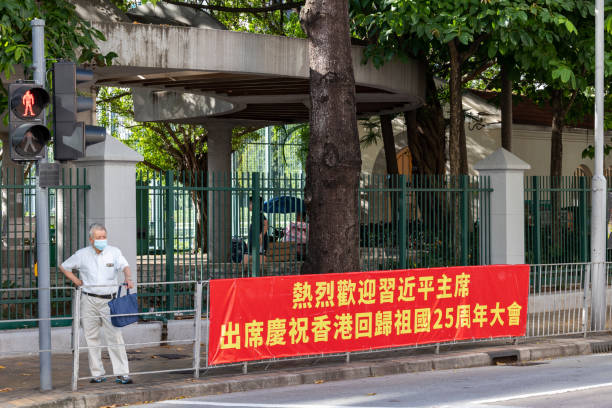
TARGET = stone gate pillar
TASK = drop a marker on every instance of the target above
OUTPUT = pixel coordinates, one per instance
(111, 201)
(506, 172)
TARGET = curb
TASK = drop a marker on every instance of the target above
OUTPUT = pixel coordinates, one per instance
(484, 356)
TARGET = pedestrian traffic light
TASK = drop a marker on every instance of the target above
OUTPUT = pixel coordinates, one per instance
(71, 137)
(28, 133)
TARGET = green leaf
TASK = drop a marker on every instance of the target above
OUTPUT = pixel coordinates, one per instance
(492, 49)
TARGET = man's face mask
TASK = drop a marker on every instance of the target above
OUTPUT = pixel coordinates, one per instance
(100, 244)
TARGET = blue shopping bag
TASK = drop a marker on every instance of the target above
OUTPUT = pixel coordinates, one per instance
(120, 305)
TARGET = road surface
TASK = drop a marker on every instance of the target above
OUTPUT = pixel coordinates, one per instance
(579, 382)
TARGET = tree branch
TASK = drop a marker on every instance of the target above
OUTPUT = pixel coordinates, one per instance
(478, 71)
(464, 56)
(152, 166)
(247, 130)
(267, 9)
(567, 108)
(112, 98)
(171, 132)
(164, 138)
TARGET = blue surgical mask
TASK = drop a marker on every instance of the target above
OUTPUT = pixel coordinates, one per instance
(100, 244)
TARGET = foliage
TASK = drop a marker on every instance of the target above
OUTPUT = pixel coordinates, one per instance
(548, 45)
(67, 36)
(241, 15)
(372, 131)
(296, 134)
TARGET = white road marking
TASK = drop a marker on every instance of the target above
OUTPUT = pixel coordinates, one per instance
(542, 394)
(251, 405)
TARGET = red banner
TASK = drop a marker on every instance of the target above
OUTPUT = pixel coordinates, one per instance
(282, 316)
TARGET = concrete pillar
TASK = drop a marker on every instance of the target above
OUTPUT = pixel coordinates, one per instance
(506, 172)
(111, 173)
(219, 201)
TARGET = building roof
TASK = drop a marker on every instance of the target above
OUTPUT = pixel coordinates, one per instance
(527, 112)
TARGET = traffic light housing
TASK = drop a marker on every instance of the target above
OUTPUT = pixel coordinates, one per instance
(71, 137)
(28, 133)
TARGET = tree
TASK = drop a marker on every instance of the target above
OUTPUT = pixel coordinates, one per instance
(459, 41)
(66, 36)
(334, 160)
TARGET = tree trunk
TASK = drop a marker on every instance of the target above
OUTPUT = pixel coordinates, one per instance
(456, 137)
(506, 108)
(426, 130)
(556, 159)
(456, 111)
(200, 204)
(556, 142)
(334, 159)
(463, 159)
(386, 127)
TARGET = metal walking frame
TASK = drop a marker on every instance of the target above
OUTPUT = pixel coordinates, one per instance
(197, 337)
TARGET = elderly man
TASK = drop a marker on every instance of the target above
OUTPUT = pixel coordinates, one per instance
(99, 266)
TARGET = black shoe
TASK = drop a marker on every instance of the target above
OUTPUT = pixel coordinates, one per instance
(124, 379)
(97, 380)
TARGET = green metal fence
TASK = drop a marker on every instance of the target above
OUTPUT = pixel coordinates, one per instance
(67, 214)
(424, 221)
(405, 222)
(557, 219)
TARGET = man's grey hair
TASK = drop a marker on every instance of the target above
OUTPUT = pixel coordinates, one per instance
(96, 227)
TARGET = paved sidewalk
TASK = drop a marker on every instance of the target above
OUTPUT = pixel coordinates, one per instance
(19, 380)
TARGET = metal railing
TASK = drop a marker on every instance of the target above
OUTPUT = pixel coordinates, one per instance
(560, 299)
(559, 303)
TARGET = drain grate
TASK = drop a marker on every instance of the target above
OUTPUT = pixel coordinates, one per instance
(601, 347)
(172, 356)
(504, 357)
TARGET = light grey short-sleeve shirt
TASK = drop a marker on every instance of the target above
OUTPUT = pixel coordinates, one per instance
(97, 269)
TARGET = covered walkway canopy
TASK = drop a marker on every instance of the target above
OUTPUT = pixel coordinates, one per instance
(195, 75)
(191, 70)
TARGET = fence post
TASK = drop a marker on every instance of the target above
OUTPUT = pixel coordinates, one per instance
(585, 299)
(256, 223)
(76, 337)
(197, 316)
(484, 220)
(464, 183)
(169, 244)
(208, 319)
(537, 224)
(584, 228)
(402, 222)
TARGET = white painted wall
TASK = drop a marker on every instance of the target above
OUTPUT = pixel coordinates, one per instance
(529, 143)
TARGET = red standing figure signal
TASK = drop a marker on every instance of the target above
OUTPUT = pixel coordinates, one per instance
(28, 102)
